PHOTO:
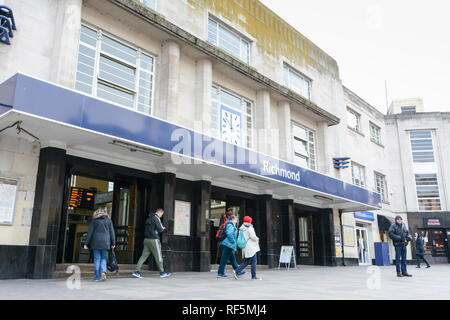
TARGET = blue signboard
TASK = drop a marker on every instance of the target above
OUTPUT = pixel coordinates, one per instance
(54, 103)
(366, 215)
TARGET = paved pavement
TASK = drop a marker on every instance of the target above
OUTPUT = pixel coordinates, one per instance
(306, 282)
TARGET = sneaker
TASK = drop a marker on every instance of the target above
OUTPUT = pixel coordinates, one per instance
(428, 266)
(399, 275)
(137, 274)
(256, 278)
(241, 273)
(165, 274)
(103, 276)
(222, 276)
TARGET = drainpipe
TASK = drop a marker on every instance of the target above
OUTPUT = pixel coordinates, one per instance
(342, 237)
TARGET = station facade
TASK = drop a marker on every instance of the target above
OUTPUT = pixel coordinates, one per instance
(192, 106)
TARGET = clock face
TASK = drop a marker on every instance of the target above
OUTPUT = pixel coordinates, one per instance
(230, 126)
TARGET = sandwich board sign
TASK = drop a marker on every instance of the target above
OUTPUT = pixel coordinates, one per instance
(286, 256)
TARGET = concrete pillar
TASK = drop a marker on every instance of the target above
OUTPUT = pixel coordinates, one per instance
(47, 211)
(203, 261)
(66, 40)
(284, 123)
(169, 81)
(203, 91)
(262, 121)
(324, 159)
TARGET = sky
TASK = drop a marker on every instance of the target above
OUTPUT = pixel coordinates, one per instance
(402, 43)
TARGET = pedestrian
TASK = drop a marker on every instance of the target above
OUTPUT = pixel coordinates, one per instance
(251, 248)
(229, 248)
(420, 250)
(219, 248)
(152, 244)
(100, 238)
(400, 236)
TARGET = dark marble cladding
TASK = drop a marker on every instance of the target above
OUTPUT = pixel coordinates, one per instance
(13, 261)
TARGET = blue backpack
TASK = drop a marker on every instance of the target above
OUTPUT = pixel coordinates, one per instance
(241, 242)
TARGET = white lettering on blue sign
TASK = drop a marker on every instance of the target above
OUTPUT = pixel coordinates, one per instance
(275, 169)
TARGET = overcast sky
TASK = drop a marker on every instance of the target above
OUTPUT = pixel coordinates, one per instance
(403, 42)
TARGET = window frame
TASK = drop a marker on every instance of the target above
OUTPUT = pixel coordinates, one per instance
(154, 9)
(427, 198)
(362, 170)
(422, 151)
(244, 114)
(242, 39)
(309, 160)
(307, 80)
(96, 79)
(358, 119)
(384, 195)
(377, 140)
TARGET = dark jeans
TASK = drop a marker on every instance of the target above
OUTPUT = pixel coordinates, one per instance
(227, 254)
(421, 256)
(253, 261)
(400, 259)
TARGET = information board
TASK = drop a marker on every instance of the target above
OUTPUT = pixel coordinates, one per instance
(182, 218)
(286, 256)
(8, 193)
(81, 198)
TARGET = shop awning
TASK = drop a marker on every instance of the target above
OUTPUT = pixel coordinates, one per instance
(87, 125)
(384, 222)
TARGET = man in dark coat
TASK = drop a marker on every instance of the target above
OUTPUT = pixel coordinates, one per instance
(400, 236)
(152, 244)
(420, 250)
(100, 238)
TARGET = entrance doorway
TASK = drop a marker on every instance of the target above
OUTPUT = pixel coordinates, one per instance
(362, 241)
(87, 194)
(305, 249)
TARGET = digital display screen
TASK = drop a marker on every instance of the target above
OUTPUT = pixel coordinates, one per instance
(81, 198)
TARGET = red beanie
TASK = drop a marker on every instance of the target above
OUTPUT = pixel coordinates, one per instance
(248, 219)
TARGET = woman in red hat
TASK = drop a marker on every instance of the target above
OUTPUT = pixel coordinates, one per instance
(251, 248)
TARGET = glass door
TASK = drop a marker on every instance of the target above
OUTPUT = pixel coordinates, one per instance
(305, 250)
(362, 240)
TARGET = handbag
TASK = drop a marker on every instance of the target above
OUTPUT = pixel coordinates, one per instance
(112, 264)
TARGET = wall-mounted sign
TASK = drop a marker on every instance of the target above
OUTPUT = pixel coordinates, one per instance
(81, 198)
(8, 192)
(433, 223)
(365, 215)
(349, 236)
(182, 218)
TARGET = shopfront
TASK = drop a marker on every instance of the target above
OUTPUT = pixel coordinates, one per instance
(94, 153)
(435, 233)
(364, 237)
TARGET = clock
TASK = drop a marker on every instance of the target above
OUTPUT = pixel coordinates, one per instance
(230, 125)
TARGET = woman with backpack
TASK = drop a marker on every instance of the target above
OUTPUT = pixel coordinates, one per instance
(100, 239)
(229, 248)
(250, 247)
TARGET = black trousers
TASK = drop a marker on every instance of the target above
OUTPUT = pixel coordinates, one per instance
(421, 256)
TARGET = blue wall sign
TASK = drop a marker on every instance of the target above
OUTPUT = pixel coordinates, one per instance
(365, 215)
(48, 101)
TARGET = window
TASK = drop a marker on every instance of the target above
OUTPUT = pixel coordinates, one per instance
(304, 146)
(375, 135)
(149, 3)
(358, 176)
(294, 81)
(228, 41)
(428, 192)
(225, 104)
(380, 185)
(114, 71)
(422, 146)
(353, 120)
(409, 109)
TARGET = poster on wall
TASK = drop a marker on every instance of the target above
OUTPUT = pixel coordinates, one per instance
(8, 192)
(349, 236)
(182, 218)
